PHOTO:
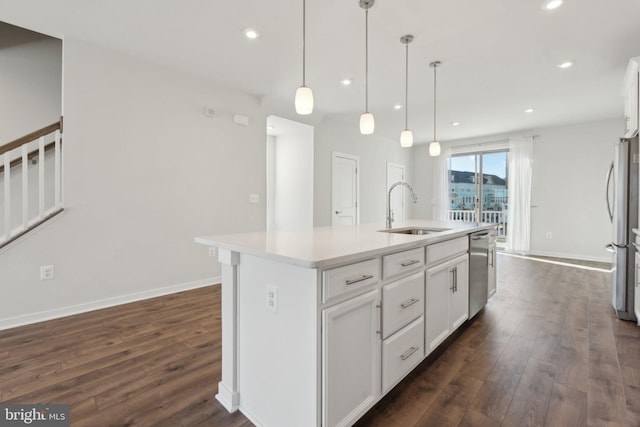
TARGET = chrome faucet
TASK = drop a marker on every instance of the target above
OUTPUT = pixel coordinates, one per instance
(413, 195)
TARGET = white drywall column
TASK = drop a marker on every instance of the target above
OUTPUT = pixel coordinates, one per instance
(228, 387)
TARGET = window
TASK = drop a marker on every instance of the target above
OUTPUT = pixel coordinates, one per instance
(478, 188)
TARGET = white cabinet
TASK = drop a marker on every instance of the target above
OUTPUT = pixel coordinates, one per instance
(437, 305)
(350, 279)
(402, 262)
(491, 283)
(402, 302)
(350, 359)
(402, 326)
(402, 352)
(447, 300)
(631, 97)
(459, 296)
(637, 282)
(492, 280)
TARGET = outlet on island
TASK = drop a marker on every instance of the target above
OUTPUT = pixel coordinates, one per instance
(272, 298)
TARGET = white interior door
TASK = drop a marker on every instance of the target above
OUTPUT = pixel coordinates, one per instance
(344, 189)
(395, 173)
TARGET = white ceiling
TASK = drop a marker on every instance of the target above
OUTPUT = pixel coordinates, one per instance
(499, 56)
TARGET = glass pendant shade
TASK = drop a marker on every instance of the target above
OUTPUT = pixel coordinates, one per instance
(367, 124)
(304, 100)
(406, 138)
(434, 149)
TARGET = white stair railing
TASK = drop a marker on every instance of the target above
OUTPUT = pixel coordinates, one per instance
(16, 158)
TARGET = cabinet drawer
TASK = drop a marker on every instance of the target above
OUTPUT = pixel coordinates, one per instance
(349, 278)
(401, 353)
(401, 262)
(446, 250)
(402, 302)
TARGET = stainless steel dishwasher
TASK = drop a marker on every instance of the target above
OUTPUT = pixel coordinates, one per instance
(481, 258)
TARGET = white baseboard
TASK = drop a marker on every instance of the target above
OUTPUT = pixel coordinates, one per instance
(12, 322)
(603, 258)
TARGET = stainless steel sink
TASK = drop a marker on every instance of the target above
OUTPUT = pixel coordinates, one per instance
(415, 230)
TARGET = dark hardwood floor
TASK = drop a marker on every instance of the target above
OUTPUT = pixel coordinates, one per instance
(547, 350)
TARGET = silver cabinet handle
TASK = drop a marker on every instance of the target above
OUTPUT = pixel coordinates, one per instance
(480, 236)
(409, 303)
(359, 279)
(408, 353)
(455, 279)
(408, 263)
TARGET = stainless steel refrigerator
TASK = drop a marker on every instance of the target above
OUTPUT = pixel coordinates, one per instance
(622, 205)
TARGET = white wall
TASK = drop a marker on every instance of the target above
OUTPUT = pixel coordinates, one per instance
(291, 171)
(422, 165)
(30, 82)
(569, 167)
(145, 172)
(374, 152)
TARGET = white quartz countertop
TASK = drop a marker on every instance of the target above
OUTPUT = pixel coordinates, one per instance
(320, 247)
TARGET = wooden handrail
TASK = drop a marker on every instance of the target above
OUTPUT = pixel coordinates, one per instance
(31, 137)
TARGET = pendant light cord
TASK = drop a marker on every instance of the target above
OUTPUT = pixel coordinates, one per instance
(304, 41)
(434, 100)
(406, 87)
(366, 60)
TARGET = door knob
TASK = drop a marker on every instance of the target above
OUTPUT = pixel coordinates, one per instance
(338, 212)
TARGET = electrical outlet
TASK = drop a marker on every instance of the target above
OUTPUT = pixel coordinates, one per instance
(213, 251)
(46, 272)
(272, 298)
(254, 198)
(549, 235)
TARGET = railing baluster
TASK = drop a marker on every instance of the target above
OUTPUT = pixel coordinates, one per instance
(41, 178)
(25, 186)
(7, 196)
(58, 170)
(19, 153)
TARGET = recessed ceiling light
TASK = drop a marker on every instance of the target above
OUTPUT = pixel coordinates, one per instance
(250, 33)
(565, 64)
(529, 110)
(552, 4)
(345, 82)
(397, 107)
(455, 123)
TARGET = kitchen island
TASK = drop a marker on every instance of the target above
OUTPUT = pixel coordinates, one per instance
(319, 324)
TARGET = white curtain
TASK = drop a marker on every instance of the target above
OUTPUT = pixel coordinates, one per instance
(519, 215)
(441, 186)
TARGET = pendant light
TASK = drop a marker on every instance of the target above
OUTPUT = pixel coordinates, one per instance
(434, 147)
(367, 123)
(304, 96)
(406, 136)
